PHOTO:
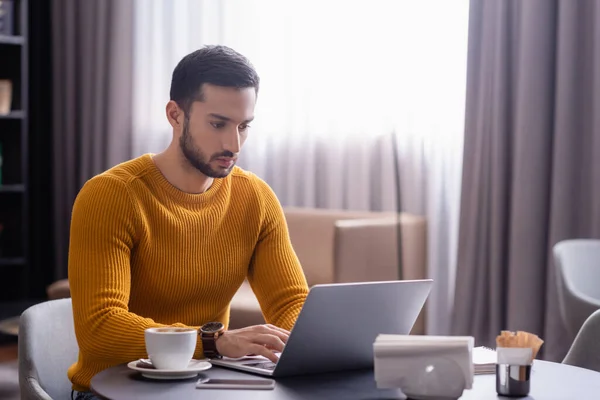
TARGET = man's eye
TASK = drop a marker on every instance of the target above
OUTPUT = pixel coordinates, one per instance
(217, 125)
(244, 127)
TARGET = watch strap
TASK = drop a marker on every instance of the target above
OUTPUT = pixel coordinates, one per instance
(209, 344)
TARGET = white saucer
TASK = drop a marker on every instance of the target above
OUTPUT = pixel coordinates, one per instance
(195, 367)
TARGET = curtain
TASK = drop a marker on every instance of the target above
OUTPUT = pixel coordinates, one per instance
(338, 80)
(531, 162)
(92, 44)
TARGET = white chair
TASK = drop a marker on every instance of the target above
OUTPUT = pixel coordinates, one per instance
(47, 348)
(585, 351)
(577, 265)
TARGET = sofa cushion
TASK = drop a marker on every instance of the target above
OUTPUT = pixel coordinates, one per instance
(245, 309)
(59, 290)
(312, 232)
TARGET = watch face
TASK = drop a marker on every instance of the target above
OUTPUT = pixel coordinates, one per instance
(212, 327)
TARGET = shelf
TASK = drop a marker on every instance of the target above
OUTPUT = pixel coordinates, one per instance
(12, 188)
(12, 261)
(11, 39)
(13, 115)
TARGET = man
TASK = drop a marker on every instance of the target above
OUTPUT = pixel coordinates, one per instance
(167, 239)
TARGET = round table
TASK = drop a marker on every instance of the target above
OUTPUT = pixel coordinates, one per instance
(548, 381)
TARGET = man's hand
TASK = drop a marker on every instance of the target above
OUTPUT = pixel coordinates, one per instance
(263, 340)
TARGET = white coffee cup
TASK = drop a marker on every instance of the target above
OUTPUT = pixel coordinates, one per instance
(170, 347)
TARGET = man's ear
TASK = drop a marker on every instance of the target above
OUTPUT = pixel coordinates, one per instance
(174, 114)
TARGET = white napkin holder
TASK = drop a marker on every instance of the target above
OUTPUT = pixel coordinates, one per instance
(424, 367)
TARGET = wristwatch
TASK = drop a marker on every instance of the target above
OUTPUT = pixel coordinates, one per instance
(209, 333)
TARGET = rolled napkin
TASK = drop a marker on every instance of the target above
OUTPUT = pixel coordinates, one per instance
(517, 348)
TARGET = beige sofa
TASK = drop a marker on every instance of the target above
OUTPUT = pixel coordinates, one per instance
(346, 246)
(337, 246)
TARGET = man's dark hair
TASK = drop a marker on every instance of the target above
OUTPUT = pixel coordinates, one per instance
(215, 65)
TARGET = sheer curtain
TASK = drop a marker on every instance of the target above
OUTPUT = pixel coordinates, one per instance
(338, 79)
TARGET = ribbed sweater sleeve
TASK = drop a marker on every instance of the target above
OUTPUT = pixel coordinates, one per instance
(275, 272)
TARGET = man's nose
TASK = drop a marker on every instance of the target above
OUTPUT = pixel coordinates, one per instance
(232, 141)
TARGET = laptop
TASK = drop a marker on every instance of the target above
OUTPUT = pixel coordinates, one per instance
(337, 327)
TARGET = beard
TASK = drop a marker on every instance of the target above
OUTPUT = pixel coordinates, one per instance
(198, 159)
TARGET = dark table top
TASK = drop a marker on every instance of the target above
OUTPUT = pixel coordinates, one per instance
(548, 381)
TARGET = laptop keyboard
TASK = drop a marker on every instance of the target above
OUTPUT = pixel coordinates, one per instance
(263, 365)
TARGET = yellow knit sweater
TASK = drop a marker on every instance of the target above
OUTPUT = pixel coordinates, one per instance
(144, 254)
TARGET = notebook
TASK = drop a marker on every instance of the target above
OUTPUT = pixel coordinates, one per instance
(484, 360)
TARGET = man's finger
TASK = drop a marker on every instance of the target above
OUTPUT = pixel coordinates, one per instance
(272, 341)
(278, 328)
(272, 330)
(263, 351)
(285, 332)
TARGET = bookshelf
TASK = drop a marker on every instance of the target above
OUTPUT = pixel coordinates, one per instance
(14, 188)
(11, 39)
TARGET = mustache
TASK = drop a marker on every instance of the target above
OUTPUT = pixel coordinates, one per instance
(225, 154)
